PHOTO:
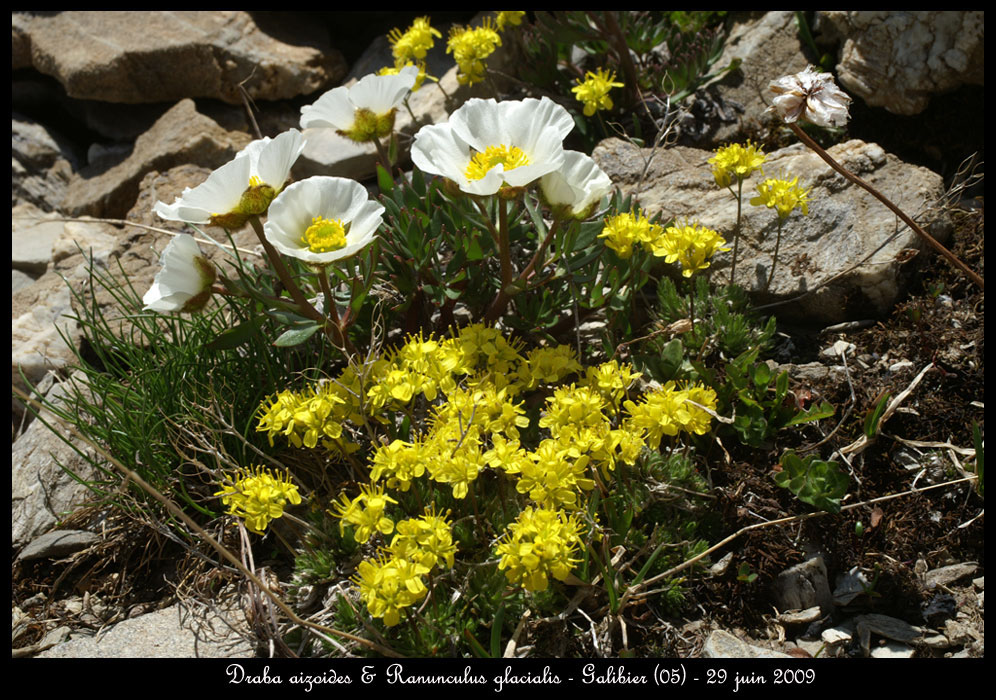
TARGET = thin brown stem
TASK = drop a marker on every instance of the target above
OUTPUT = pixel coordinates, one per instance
(951, 257)
(283, 273)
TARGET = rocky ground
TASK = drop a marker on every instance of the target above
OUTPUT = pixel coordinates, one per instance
(99, 136)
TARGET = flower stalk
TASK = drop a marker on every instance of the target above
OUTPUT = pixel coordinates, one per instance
(933, 242)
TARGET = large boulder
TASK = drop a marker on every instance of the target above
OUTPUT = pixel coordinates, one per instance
(181, 136)
(899, 60)
(164, 56)
(843, 260)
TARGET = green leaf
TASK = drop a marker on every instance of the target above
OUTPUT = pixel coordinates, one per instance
(234, 337)
(875, 415)
(295, 336)
(384, 180)
(762, 376)
(815, 413)
(813, 481)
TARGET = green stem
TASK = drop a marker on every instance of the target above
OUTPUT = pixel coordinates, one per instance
(774, 258)
(951, 257)
(505, 255)
(736, 230)
(334, 330)
(283, 273)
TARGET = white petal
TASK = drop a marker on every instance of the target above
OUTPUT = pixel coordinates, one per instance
(332, 110)
(179, 279)
(333, 198)
(577, 184)
(382, 93)
(439, 151)
(278, 156)
(219, 194)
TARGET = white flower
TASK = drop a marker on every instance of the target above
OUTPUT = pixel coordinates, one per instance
(576, 187)
(810, 96)
(184, 282)
(243, 187)
(365, 111)
(487, 145)
(322, 219)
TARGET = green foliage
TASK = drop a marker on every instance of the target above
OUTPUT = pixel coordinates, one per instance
(147, 382)
(875, 416)
(744, 573)
(813, 481)
(761, 401)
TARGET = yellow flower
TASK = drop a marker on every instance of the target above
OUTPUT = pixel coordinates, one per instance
(736, 162)
(692, 246)
(594, 90)
(782, 195)
(624, 230)
(365, 512)
(539, 544)
(413, 43)
(258, 497)
(509, 18)
(470, 47)
(390, 585)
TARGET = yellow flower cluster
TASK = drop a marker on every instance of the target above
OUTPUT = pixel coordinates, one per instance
(388, 585)
(410, 47)
(470, 47)
(623, 231)
(509, 18)
(258, 497)
(735, 162)
(540, 543)
(413, 43)
(692, 246)
(671, 409)
(393, 581)
(782, 195)
(593, 91)
(365, 512)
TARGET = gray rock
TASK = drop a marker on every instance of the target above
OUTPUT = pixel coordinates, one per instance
(41, 492)
(850, 586)
(160, 56)
(41, 165)
(43, 336)
(20, 280)
(174, 632)
(884, 626)
(900, 60)
(949, 574)
(804, 586)
(723, 645)
(800, 617)
(846, 227)
(32, 234)
(181, 136)
(768, 46)
(892, 650)
(57, 543)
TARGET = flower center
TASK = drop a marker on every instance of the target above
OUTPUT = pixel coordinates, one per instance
(257, 197)
(324, 235)
(482, 163)
(368, 126)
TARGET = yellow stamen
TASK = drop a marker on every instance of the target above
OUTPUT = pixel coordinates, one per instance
(482, 163)
(324, 235)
